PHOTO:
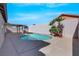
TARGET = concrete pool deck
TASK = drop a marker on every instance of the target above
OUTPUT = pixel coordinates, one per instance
(58, 47)
(13, 46)
(55, 47)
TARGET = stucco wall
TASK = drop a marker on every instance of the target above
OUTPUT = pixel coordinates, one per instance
(40, 28)
(1, 30)
(70, 25)
(78, 28)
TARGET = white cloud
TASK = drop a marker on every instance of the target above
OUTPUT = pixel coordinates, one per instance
(31, 17)
(36, 16)
(54, 5)
(50, 5)
(53, 13)
(25, 16)
(26, 4)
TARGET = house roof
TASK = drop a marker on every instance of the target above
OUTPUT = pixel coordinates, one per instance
(16, 25)
(70, 15)
(3, 11)
(67, 15)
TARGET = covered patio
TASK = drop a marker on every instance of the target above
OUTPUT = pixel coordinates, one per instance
(19, 28)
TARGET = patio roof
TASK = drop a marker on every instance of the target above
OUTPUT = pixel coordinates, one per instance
(66, 15)
(19, 27)
(15, 24)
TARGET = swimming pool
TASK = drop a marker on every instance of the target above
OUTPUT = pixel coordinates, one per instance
(35, 37)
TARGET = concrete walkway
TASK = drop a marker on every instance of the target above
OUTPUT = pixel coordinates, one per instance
(58, 47)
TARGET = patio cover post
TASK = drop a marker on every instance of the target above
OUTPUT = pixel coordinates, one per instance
(17, 28)
(22, 28)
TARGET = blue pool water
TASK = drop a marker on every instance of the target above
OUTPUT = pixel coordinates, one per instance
(35, 37)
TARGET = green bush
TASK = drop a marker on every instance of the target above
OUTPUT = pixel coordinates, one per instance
(55, 29)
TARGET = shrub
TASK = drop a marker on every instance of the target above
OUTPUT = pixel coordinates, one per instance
(55, 29)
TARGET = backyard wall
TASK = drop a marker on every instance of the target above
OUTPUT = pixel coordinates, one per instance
(70, 24)
(40, 28)
(1, 30)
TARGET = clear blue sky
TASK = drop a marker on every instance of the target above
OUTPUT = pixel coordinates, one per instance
(38, 13)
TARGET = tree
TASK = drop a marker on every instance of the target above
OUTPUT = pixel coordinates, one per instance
(56, 29)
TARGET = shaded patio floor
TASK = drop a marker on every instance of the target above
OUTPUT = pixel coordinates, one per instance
(75, 47)
(13, 46)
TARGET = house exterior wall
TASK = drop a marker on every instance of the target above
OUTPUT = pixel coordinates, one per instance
(78, 28)
(2, 33)
(70, 25)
